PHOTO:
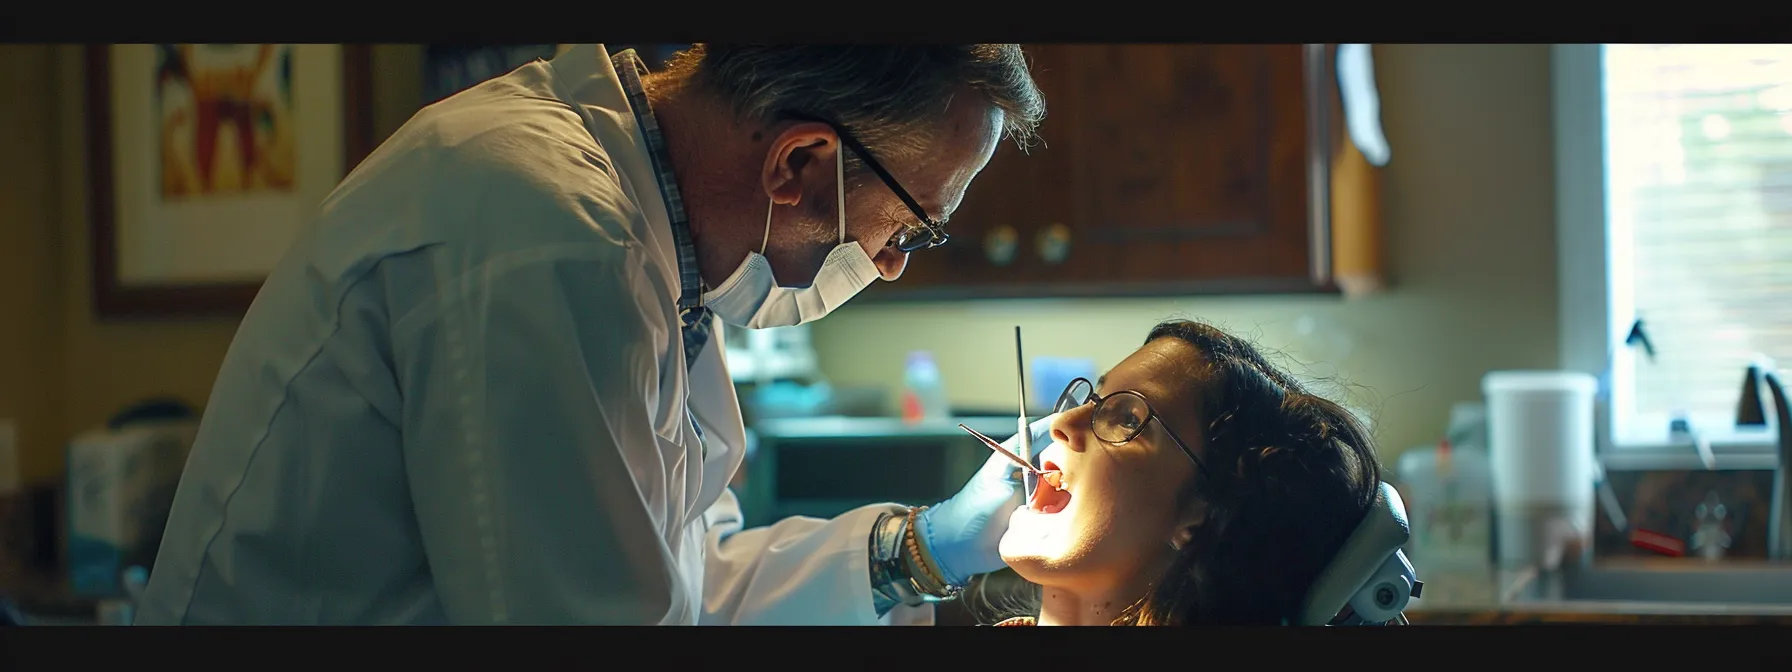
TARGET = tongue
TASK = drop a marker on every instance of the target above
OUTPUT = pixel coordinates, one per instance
(1048, 498)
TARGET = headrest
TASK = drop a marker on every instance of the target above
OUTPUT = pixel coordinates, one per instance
(1371, 552)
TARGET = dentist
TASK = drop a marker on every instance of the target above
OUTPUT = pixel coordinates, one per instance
(488, 386)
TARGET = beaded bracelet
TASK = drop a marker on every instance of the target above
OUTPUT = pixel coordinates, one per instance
(925, 575)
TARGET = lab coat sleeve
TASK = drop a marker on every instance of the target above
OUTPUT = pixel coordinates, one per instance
(529, 439)
(797, 571)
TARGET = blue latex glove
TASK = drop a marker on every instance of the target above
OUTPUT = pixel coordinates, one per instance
(963, 533)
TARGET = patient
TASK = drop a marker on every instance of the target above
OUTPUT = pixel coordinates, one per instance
(1198, 485)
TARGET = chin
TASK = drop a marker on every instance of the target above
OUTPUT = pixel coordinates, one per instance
(1043, 536)
(1020, 554)
(1014, 552)
(1034, 569)
(1034, 556)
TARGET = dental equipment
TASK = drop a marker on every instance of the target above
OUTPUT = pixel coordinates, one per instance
(1031, 470)
(1370, 574)
(1030, 479)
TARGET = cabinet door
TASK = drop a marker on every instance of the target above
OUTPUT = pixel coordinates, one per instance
(1164, 169)
(991, 243)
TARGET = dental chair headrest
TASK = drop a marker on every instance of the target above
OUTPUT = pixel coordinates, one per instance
(1369, 574)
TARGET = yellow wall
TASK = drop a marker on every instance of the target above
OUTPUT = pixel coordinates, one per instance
(1469, 201)
(61, 369)
(31, 277)
(1471, 239)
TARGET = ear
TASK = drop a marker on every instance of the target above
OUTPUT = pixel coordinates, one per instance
(1191, 520)
(1183, 535)
(802, 153)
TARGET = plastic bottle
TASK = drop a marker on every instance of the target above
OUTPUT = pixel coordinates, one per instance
(924, 396)
(1449, 498)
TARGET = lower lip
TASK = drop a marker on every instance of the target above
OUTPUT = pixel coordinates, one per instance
(1048, 511)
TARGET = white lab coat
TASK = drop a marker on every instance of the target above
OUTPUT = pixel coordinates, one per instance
(461, 398)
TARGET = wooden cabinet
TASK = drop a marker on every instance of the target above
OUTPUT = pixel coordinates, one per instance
(1167, 169)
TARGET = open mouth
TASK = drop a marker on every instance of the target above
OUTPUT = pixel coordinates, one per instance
(1050, 497)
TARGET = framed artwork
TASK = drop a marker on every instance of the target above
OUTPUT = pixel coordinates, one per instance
(207, 160)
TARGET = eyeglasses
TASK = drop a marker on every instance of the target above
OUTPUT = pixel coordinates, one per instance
(1118, 417)
(929, 233)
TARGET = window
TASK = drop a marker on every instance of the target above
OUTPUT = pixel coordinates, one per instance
(1675, 207)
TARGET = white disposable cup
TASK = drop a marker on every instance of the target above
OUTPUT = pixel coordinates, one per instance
(1540, 439)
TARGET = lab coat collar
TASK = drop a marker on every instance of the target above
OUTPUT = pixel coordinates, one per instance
(585, 79)
(586, 75)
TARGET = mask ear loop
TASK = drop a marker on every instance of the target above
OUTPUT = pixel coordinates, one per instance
(839, 201)
(769, 204)
(840, 180)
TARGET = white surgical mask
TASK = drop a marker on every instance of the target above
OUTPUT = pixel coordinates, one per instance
(752, 297)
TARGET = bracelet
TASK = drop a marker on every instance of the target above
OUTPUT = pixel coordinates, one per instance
(889, 577)
(923, 572)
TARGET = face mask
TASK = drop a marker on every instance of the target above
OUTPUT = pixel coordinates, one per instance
(752, 298)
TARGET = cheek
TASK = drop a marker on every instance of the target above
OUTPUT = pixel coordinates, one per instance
(1135, 515)
(1123, 519)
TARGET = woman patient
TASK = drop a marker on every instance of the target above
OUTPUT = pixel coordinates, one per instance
(1196, 484)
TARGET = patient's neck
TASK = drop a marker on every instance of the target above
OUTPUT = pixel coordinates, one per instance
(1091, 603)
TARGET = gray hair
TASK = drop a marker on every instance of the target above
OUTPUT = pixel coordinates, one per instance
(892, 98)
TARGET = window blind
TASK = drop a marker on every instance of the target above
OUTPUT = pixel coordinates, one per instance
(1699, 169)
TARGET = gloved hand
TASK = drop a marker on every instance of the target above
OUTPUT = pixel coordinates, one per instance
(963, 533)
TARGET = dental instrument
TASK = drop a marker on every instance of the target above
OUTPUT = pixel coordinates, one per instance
(1030, 479)
(997, 447)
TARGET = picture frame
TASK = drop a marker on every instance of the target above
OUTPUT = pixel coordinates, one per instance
(205, 162)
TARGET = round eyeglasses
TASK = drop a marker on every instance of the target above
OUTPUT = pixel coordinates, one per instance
(917, 237)
(1118, 417)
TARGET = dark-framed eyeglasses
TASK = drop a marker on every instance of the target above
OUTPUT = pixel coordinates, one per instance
(929, 233)
(1118, 417)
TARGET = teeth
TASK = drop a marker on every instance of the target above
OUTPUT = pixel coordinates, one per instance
(1052, 500)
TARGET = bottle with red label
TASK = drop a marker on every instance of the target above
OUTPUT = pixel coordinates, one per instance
(924, 393)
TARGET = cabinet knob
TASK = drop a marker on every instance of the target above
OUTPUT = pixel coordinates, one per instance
(1001, 244)
(1054, 243)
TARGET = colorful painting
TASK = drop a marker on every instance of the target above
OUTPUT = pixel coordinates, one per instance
(208, 160)
(226, 119)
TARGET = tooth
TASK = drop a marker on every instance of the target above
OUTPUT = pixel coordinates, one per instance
(1054, 479)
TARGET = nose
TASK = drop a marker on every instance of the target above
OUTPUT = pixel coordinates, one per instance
(1070, 423)
(890, 262)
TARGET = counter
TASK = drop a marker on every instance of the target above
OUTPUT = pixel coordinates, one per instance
(1484, 598)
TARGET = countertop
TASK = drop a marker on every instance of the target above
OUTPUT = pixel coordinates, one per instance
(1482, 597)
(845, 427)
